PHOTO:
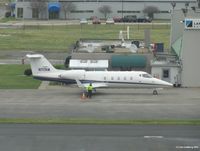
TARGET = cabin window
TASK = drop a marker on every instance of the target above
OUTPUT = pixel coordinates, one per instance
(112, 78)
(124, 78)
(104, 78)
(118, 78)
(131, 78)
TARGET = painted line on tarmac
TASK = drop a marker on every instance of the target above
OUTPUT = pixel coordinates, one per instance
(159, 137)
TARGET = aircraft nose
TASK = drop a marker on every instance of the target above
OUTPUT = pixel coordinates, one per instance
(167, 84)
(163, 83)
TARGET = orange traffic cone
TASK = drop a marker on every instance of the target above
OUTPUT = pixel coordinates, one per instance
(83, 96)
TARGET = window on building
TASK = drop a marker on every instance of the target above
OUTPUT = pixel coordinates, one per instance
(82, 11)
(19, 12)
(35, 13)
(164, 12)
(127, 11)
(165, 73)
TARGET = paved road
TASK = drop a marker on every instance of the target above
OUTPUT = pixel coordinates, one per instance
(15, 57)
(65, 102)
(7, 55)
(20, 24)
(98, 138)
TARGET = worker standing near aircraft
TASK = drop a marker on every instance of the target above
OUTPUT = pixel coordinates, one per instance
(89, 90)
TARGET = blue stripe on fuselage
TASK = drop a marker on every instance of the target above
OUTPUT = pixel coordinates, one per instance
(70, 81)
(66, 81)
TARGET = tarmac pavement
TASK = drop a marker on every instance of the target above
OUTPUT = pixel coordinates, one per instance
(66, 102)
(21, 137)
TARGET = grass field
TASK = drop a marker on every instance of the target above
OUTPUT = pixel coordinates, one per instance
(12, 77)
(60, 38)
(97, 121)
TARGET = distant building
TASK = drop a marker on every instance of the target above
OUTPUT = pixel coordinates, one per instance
(88, 8)
(89, 65)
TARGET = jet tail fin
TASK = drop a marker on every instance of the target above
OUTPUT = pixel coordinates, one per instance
(39, 64)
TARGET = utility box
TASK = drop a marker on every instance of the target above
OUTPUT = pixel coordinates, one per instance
(159, 47)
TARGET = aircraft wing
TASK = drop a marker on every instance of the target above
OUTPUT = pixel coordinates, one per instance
(94, 84)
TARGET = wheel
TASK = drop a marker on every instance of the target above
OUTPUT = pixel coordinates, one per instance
(155, 92)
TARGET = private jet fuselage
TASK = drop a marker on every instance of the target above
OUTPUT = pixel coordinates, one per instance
(43, 70)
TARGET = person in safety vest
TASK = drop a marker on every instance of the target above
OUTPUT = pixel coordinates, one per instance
(89, 90)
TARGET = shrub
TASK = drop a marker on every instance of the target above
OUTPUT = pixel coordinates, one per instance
(28, 72)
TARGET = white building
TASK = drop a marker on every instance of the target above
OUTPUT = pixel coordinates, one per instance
(88, 8)
(185, 35)
(167, 71)
(90, 65)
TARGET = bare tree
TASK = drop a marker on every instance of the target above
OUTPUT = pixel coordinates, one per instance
(105, 10)
(198, 3)
(150, 11)
(173, 4)
(4, 3)
(67, 8)
(8, 6)
(40, 5)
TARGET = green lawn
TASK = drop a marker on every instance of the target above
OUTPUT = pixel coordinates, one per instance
(12, 77)
(61, 38)
(97, 121)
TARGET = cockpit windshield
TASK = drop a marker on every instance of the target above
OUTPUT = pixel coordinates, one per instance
(147, 76)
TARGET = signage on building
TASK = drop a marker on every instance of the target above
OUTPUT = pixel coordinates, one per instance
(191, 23)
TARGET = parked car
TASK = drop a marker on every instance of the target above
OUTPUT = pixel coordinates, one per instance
(110, 21)
(96, 21)
(144, 20)
(129, 18)
(93, 17)
(83, 21)
(117, 19)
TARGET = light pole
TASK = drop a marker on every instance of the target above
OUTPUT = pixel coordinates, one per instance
(122, 8)
(173, 4)
(185, 10)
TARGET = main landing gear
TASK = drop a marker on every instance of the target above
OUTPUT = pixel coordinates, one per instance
(155, 92)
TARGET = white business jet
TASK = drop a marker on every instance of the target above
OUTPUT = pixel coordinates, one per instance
(43, 70)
